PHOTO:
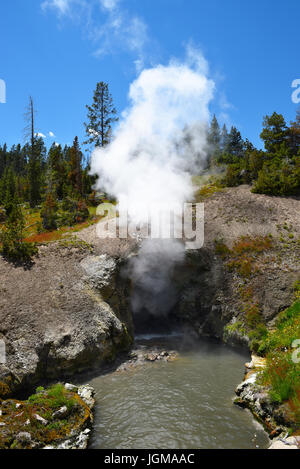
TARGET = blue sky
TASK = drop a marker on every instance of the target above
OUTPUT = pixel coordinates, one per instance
(56, 51)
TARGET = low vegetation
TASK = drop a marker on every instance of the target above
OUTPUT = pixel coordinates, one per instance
(275, 171)
(210, 187)
(282, 349)
(47, 417)
(243, 256)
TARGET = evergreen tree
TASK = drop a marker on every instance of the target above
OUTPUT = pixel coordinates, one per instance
(34, 166)
(235, 143)
(3, 159)
(12, 237)
(101, 115)
(224, 138)
(56, 175)
(8, 189)
(275, 133)
(75, 169)
(49, 213)
(294, 135)
(214, 135)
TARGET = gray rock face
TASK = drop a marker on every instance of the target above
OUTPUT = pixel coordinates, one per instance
(77, 442)
(255, 398)
(65, 315)
(87, 394)
(288, 443)
(100, 271)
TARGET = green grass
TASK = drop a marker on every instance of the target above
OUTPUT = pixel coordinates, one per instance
(20, 416)
(282, 372)
(286, 332)
(54, 398)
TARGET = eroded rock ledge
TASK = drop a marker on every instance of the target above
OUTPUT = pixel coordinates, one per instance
(66, 315)
(276, 419)
(58, 418)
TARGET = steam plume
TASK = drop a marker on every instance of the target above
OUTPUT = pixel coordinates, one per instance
(159, 143)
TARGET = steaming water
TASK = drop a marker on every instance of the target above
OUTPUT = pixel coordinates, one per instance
(186, 404)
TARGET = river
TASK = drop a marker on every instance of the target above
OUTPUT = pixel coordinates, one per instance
(184, 404)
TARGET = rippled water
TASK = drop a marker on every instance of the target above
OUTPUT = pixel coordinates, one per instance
(186, 404)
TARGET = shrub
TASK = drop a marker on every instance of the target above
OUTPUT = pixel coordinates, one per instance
(277, 179)
(72, 212)
(54, 398)
(286, 332)
(13, 246)
(2, 214)
(282, 373)
(233, 175)
(283, 377)
(49, 213)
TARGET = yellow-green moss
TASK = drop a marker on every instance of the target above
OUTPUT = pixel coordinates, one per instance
(19, 416)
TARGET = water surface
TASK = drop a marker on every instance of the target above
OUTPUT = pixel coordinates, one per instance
(185, 404)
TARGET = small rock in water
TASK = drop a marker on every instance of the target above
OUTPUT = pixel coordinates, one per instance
(151, 357)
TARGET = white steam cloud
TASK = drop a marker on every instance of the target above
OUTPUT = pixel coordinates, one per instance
(161, 138)
(159, 143)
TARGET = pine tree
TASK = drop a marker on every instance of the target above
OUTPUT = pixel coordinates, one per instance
(12, 237)
(235, 143)
(56, 171)
(214, 135)
(34, 166)
(294, 135)
(3, 159)
(49, 213)
(75, 169)
(101, 115)
(274, 133)
(8, 189)
(224, 138)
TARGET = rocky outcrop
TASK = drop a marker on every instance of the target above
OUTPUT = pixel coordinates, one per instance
(71, 310)
(292, 442)
(79, 437)
(65, 315)
(275, 418)
(214, 298)
(66, 427)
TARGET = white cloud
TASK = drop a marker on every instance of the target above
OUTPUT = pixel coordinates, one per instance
(117, 29)
(74, 9)
(51, 134)
(109, 4)
(62, 6)
(40, 135)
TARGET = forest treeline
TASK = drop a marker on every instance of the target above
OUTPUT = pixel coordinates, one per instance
(272, 171)
(58, 183)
